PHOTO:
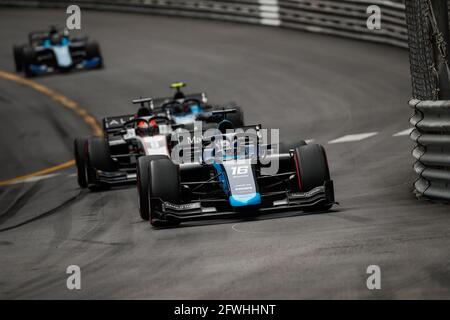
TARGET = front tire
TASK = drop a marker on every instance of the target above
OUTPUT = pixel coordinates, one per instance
(29, 57)
(158, 177)
(18, 58)
(312, 170)
(80, 145)
(93, 51)
(99, 158)
(142, 179)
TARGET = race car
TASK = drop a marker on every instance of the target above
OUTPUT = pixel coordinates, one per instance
(232, 179)
(105, 161)
(183, 109)
(55, 50)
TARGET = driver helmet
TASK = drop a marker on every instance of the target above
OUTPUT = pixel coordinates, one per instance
(142, 128)
(154, 128)
(55, 39)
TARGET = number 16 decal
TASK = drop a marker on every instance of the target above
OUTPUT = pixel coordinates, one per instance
(239, 170)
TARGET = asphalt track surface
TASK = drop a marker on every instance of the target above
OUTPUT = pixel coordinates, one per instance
(311, 86)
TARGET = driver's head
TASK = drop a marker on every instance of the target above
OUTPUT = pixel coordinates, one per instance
(142, 128)
(55, 38)
(154, 128)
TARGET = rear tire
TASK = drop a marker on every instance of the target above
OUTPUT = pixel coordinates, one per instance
(81, 161)
(313, 170)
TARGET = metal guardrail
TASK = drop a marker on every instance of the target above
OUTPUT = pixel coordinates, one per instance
(345, 18)
(431, 121)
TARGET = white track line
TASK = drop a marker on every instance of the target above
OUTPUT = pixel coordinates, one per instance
(353, 137)
(403, 133)
(309, 141)
(36, 178)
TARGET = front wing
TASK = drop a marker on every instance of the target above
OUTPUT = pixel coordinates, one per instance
(220, 208)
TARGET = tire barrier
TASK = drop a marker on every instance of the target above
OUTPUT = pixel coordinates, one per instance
(347, 18)
(431, 121)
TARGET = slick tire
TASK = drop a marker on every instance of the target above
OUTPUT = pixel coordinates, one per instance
(93, 51)
(99, 158)
(313, 171)
(164, 183)
(18, 58)
(142, 176)
(80, 145)
(29, 57)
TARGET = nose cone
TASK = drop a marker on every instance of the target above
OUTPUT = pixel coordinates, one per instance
(242, 200)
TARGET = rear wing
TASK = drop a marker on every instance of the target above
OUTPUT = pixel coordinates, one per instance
(114, 124)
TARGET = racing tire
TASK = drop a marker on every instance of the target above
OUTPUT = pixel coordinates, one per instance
(18, 59)
(80, 145)
(313, 171)
(164, 183)
(93, 51)
(142, 179)
(28, 58)
(99, 158)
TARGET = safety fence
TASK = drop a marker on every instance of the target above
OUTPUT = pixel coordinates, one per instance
(347, 18)
(431, 121)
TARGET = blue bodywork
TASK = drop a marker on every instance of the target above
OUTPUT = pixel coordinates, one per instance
(242, 200)
(91, 63)
(188, 117)
(237, 199)
(62, 55)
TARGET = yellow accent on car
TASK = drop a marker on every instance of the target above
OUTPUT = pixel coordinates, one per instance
(177, 85)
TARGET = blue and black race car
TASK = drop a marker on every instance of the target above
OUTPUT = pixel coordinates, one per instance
(56, 50)
(184, 109)
(233, 174)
